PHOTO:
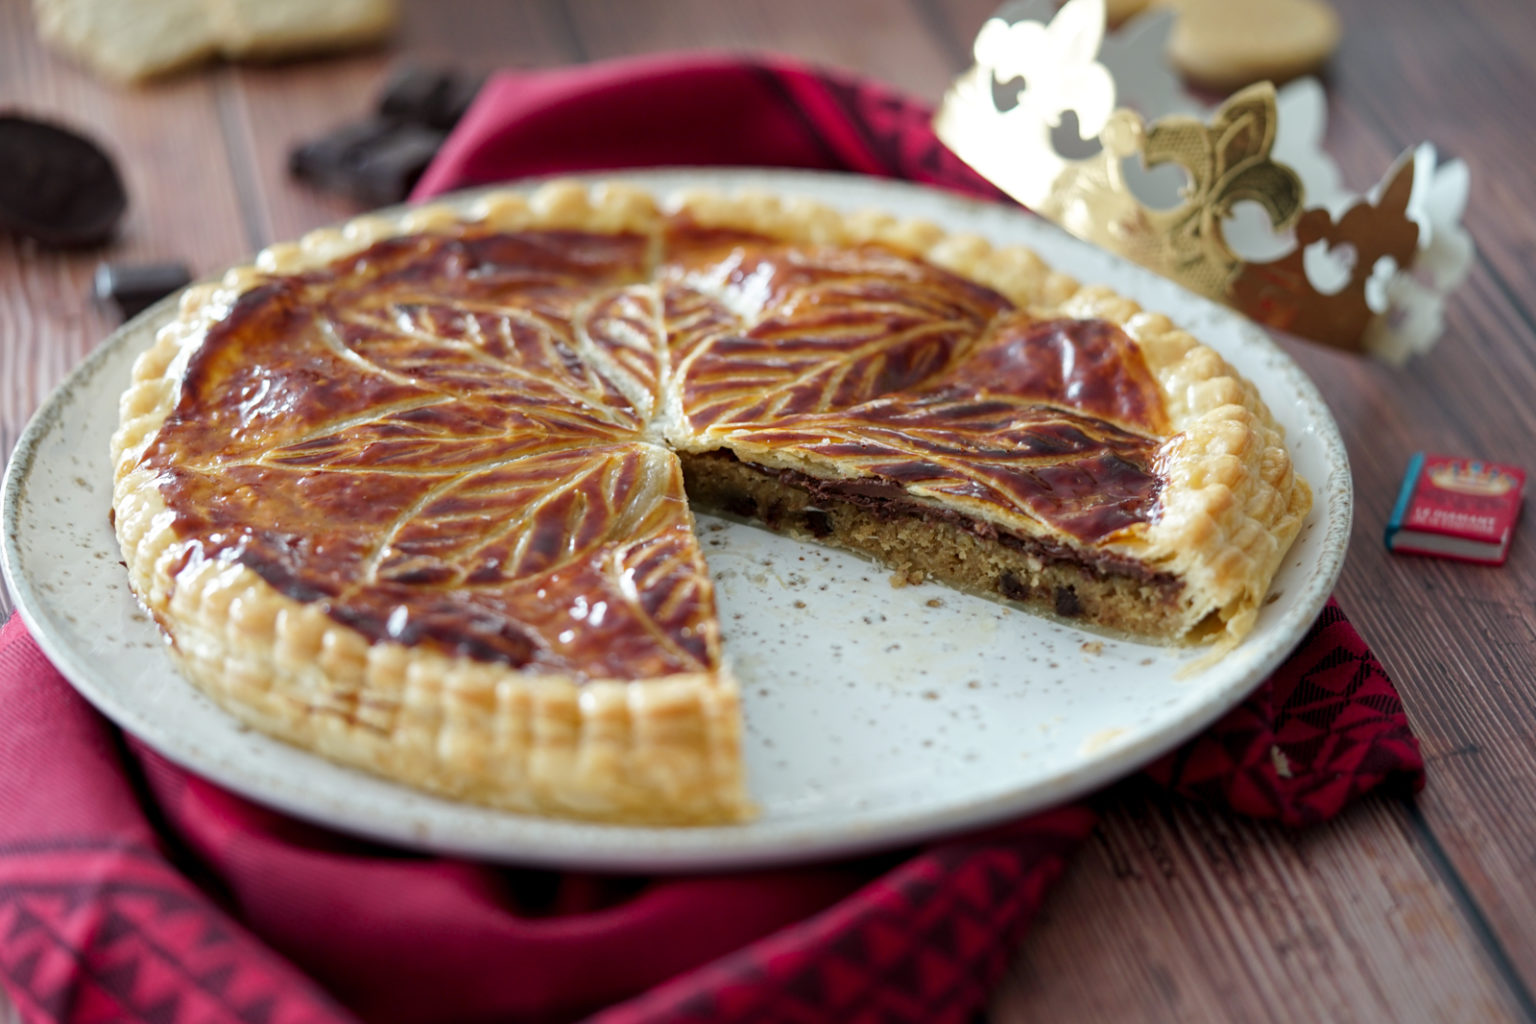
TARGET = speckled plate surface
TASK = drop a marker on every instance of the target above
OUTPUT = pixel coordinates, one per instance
(875, 716)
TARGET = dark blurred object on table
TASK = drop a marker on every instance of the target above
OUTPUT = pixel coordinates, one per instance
(56, 186)
(134, 287)
(376, 161)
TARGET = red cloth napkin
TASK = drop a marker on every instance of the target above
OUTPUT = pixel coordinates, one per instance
(692, 110)
(133, 891)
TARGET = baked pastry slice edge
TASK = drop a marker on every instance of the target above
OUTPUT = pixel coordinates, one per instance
(659, 750)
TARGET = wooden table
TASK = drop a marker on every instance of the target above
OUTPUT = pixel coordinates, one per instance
(1401, 909)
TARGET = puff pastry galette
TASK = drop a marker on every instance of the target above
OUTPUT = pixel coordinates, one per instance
(415, 493)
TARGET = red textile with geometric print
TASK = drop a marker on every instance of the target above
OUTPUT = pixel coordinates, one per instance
(131, 890)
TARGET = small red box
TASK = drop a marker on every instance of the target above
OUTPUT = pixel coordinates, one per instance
(1456, 508)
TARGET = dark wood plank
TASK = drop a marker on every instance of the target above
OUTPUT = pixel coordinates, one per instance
(874, 37)
(1176, 913)
(1461, 640)
(171, 154)
(956, 22)
(1464, 83)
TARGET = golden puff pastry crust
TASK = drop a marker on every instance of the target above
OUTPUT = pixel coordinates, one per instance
(409, 492)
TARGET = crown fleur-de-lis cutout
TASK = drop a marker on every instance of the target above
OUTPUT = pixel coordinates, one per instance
(1370, 237)
(1057, 65)
(1227, 162)
(1227, 159)
(1349, 271)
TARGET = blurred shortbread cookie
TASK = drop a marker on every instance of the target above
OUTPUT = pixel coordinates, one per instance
(1227, 44)
(133, 40)
(1116, 11)
(129, 40)
(282, 28)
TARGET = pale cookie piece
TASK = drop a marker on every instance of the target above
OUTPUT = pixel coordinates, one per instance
(129, 41)
(1117, 11)
(134, 40)
(284, 28)
(1227, 44)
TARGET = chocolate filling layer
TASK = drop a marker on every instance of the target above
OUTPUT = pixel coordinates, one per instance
(887, 500)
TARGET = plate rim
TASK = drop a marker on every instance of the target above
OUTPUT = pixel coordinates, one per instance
(691, 849)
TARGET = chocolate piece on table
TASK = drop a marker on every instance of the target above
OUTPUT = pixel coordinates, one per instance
(408, 95)
(374, 162)
(134, 287)
(387, 169)
(433, 98)
(57, 186)
(329, 162)
(461, 92)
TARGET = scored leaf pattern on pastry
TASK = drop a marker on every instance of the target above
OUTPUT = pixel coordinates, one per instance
(1085, 477)
(416, 440)
(885, 368)
(448, 439)
(622, 330)
(814, 330)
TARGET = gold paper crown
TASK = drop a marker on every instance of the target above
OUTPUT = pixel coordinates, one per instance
(1367, 273)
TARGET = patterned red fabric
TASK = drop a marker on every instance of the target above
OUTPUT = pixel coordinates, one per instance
(1326, 727)
(133, 891)
(695, 110)
(98, 921)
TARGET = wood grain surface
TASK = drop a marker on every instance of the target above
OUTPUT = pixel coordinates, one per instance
(1406, 910)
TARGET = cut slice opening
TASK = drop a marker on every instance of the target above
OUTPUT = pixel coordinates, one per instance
(918, 542)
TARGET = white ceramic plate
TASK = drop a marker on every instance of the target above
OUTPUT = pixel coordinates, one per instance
(875, 716)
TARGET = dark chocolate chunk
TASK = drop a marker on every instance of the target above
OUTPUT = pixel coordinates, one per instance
(410, 93)
(455, 100)
(817, 522)
(330, 161)
(133, 288)
(378, 160)
(1012, 588)
(388, 170)
(436, 99)
(1067, 604)
(742, 505)
(885, 499)
(56, 186)
(374, 162)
